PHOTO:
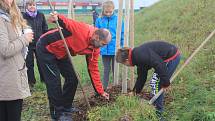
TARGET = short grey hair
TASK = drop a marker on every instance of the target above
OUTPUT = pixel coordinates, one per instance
(104, 34)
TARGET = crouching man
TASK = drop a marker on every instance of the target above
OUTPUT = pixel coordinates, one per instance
(163, 57)
(82, 39)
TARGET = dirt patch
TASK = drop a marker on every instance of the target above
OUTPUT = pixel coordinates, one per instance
(36, 107)
(94, 101)
(126, 118)
(99, 101)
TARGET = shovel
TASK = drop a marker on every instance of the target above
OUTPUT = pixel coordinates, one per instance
(183, 66)
(70, 57)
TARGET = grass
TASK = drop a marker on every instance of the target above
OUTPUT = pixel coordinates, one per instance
(185, 23)
(83, 18)
(124, 108)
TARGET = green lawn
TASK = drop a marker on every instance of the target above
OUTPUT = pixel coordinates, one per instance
(185, 23)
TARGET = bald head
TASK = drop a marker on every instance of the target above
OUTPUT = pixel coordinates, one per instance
(104, 35)
(101, 37)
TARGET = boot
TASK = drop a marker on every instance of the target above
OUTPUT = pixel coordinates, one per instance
(53, 113)
(65, 116)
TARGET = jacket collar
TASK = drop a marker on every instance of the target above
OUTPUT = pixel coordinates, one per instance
(133, 56)
(5, 15)
(31, 14)
(111, 17)
(130, 57)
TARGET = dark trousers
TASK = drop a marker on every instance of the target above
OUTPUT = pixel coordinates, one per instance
(108, 63)
(60, 97)
(156, 85)
(11, 110)
(30, 65)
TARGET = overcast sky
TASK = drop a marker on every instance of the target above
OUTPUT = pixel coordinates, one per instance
(139, 3)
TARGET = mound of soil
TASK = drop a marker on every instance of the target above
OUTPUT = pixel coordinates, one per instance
(94, 101)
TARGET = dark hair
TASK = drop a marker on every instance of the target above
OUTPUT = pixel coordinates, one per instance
(103, 34)
(122, 54)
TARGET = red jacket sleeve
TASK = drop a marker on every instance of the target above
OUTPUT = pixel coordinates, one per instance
(72, 25)
(93, 70)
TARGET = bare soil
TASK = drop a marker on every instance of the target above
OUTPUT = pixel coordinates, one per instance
(99, 101)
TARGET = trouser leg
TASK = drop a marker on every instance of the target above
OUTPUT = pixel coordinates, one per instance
(70, 84)
(106, 63)
(14, 109)
(171, 67)
(3, 116)
(39, 68)
(30, 66)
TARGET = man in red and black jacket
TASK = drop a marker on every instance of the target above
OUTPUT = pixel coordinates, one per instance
(82, 39)
(163, 57)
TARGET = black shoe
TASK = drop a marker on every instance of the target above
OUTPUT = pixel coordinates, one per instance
(54, 119)
(65, 117)
(72, 110)
(53, 113)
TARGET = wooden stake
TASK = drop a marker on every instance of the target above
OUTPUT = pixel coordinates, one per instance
(118, 37)
(71, 12)
(131, 81)
(126, 44)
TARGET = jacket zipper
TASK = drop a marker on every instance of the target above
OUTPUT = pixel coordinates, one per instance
(108, 26)
(35, 27)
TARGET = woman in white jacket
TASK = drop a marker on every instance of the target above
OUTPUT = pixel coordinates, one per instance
(13, 75)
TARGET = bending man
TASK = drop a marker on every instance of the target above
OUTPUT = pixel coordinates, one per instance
(82, 39)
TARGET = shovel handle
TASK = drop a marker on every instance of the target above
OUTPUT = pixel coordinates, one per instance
(70, 57)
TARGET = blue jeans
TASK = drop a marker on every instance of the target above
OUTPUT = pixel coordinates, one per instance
(156, 85)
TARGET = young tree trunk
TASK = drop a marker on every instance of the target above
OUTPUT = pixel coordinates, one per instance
(118, 37)
(131, 81)
(126, 44)
(71, 12)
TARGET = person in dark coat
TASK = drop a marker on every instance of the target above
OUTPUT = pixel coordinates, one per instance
(37, 21)
(163, 57)
(95, 16)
